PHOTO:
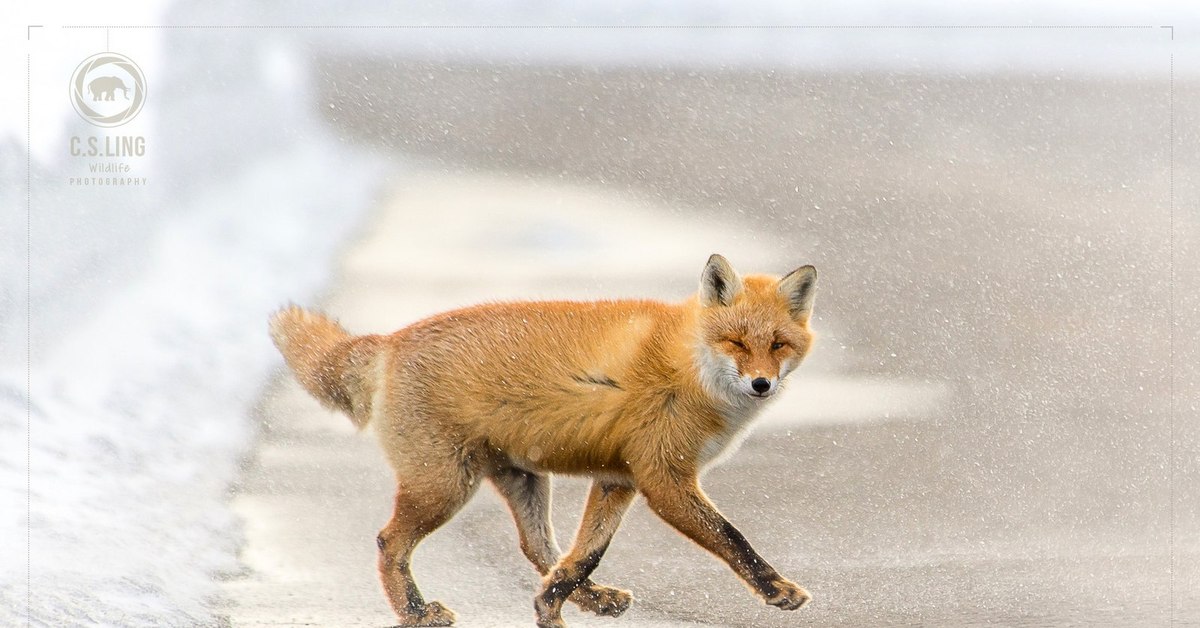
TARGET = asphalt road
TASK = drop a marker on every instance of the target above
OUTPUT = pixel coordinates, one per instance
(1008, 240)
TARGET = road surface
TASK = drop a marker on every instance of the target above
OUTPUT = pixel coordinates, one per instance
(1000, 425)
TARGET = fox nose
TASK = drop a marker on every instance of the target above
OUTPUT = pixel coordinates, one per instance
(761, 385)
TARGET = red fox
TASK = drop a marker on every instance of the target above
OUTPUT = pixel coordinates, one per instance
(641, 396)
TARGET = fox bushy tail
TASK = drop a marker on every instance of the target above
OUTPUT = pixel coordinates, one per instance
(332, 365)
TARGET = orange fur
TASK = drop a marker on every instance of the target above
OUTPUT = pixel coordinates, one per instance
(639, 394)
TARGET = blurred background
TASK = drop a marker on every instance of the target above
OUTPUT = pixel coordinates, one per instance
(1000, 424)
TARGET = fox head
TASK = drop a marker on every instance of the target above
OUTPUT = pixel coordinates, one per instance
(753, 330)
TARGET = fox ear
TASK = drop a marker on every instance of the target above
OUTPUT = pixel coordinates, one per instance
(719, 283)
(798, 288)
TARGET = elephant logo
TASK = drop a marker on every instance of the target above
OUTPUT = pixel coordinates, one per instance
(108, 89)
(105, 87)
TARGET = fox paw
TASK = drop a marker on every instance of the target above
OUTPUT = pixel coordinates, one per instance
(787, 595)
(601, 600)
(432, 614)
(548, 614)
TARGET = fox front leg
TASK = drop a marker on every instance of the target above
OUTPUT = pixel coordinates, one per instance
(602, 515)
(685, 507)
(528, 497)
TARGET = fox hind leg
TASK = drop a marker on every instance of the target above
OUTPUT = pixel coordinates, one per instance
(528, 497)
(422, 506)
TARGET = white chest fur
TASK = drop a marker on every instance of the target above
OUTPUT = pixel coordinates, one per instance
(720, 446)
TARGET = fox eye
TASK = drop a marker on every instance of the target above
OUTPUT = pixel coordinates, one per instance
(738, 344)
(776, 346)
